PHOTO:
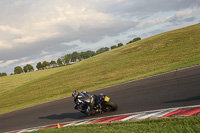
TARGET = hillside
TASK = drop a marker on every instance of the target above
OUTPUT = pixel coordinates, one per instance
(161, 53)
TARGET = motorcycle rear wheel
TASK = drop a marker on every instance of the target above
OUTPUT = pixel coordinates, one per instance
(110, 106)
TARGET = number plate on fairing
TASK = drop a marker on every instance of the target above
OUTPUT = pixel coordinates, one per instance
(107, 99)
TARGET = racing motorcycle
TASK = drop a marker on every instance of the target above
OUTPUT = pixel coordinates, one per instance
(102, 104)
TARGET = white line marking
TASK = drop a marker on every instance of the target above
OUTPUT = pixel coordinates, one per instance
(148, 115)
(129, 117)
(137, 115)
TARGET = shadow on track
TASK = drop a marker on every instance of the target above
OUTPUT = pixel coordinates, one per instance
(77, 115)
(185, 100)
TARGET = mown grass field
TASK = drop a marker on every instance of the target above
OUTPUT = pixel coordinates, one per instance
(14, 81)
(165, 125)
(161, 53)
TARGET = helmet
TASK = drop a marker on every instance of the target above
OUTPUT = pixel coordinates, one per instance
(75, 93)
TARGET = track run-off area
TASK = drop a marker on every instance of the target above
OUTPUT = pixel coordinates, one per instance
(169, 90)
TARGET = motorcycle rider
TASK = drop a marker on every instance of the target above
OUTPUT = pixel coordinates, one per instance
(78, 97)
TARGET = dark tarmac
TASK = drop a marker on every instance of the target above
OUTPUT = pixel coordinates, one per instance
(173, 89)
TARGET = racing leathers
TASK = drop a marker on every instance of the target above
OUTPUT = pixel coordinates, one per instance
(85, 102)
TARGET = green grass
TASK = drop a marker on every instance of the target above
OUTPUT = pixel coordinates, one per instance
(161, 53)
(165, 125)
(14, 81)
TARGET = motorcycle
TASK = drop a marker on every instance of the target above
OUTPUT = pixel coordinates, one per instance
(102, 104)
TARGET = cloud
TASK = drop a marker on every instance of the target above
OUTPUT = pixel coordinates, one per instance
(176, 18)
(4, 45)
(143, 8)
(182, 16)
(31, 50)
(43, 30)
(39, 28)
(9, 62)
(36, 59)
(7, 28)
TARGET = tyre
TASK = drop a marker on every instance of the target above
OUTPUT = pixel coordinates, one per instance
(110, 106)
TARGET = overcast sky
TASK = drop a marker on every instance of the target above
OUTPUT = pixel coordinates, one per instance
(33, 31)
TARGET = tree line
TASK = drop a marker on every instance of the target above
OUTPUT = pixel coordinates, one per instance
(66, 59)
(3, 74)
(70, 58)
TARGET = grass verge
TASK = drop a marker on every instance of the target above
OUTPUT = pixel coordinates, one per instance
(164, 125)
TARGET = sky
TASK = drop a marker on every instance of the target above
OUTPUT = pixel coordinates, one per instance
(33, 31)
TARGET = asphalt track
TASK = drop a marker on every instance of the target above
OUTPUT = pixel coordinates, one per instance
(172, 89)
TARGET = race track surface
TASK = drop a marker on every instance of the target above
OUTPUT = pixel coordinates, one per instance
(173, 89)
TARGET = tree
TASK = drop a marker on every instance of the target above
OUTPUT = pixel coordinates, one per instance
(25, 69)
(83, 55)
(90, 53)
(45, 63)
(101, 50)
(106, 49)
(3, 74)
(69, 56)
(65, 59)
(53, 63)
(87, 54)
(28, 68)
(75, 56)
(39, 66)
(134, 40)
(59, 62)
(120, 44)
(113, 47)
(18, 70)
(79, 57)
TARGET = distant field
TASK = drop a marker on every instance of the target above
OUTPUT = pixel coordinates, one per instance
(165, 125)
(161, 53)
